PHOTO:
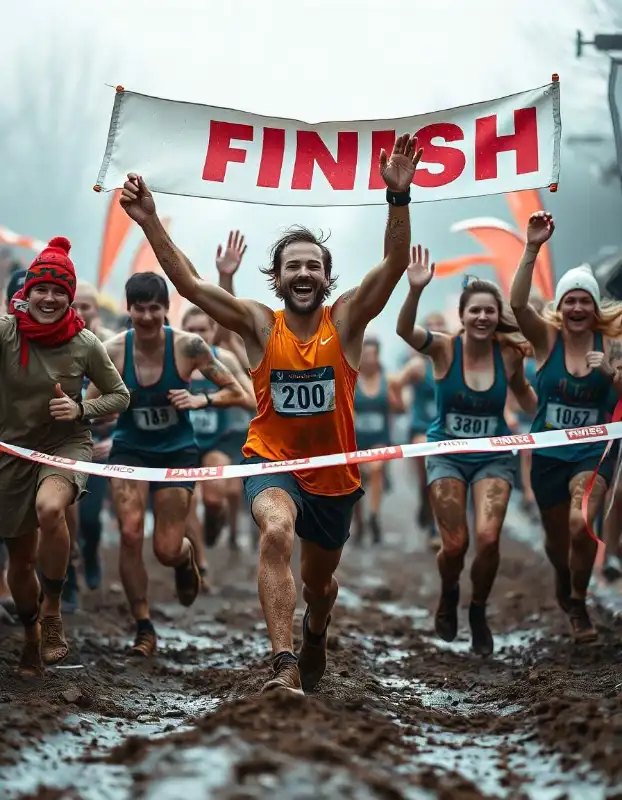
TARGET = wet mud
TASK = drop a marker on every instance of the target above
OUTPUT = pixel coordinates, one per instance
(399, 714)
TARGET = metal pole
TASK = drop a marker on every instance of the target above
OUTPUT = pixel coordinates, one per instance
(615, 105)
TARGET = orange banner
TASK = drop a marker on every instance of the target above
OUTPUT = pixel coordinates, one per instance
(115, 233)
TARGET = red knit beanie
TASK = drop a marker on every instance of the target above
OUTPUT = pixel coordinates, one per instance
(53, 265)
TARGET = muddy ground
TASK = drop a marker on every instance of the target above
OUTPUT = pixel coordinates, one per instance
(398, 715)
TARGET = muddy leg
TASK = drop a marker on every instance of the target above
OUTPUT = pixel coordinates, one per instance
(54, 496)
(170, 545)
(319, 590)
(448, 499)
(491, 496)
(195, 534)
(214, 499)
(233, 492)
(24, 585)
(275, 513)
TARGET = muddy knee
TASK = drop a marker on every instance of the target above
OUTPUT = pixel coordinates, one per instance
(488, 544)
(579, 537)
(454, 546)
(131, 529)
(276, 539)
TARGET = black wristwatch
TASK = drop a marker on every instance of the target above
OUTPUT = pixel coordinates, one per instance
(398, 198)
(208, 397)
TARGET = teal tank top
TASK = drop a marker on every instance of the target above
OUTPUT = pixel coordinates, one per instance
(423, 408)
(464, 413)
(565, 401)
(371, 417)
(525, 419)
(209, 424)
(151, 424)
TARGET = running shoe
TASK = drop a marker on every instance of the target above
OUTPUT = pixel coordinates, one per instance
(581, 624)
(446, 618)
(312, 656)
(285, 675)
(188, 580)
(481, 637)
(146, 641)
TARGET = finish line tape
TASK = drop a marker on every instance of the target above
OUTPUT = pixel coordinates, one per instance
(495, 444)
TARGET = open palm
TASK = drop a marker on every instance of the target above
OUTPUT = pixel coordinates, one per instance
(229, 259)
(540, 227)
(420, 272)
(398, 170)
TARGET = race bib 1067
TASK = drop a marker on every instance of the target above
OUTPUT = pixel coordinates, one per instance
(560, 416)
(303, 393)
(465, 425)
(204, 420)
(155, 418)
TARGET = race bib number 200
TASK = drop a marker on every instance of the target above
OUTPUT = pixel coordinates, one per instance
(303, 393)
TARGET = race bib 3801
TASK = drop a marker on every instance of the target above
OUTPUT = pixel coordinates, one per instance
(470, 425)
(303, 393)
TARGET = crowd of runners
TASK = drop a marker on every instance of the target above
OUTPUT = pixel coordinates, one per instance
(241, 383)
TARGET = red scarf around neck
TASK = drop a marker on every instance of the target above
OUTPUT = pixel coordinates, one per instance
(43, 335)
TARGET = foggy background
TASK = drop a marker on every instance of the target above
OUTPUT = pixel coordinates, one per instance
(311, 60)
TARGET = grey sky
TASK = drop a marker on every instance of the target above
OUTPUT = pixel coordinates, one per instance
(324, 59)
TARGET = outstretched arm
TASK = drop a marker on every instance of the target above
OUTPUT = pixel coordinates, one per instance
(368, 300)
(532, 325)
(420, 272)
(228, 261)
(231, 312)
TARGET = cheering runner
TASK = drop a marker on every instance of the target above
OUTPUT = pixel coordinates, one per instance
(157, 363)
(213, 433)
(473, 372)
(418, 374)
(372, 423)
(578, 354)
(86, 304)
(45, 352)
(304, 364)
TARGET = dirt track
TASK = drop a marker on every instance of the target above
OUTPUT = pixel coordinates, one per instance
(398, 714)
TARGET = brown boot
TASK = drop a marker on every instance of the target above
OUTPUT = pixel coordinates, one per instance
(580, 622)
(188, 580)
(446, 618)
(146, 641)
(312, 656)
(285, 674)
(54, 647)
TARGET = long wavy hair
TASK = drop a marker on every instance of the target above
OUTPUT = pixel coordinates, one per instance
(507, 330)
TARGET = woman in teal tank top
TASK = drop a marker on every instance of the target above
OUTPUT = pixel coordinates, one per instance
(578, 354)
(473, 372)
(372, 411)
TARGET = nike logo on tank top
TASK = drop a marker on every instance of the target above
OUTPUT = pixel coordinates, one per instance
(305, 405)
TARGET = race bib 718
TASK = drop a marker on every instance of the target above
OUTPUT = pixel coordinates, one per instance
(303, 393)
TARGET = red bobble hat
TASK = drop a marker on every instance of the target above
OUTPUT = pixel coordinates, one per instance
(53, 265)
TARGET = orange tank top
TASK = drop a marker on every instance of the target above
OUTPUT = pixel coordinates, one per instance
(305, 405)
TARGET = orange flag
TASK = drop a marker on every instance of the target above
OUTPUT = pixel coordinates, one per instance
(115, 232)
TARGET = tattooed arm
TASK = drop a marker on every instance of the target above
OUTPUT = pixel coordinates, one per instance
(355, 309)
(202, 358)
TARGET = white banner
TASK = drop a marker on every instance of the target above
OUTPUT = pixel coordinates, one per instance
(502, 145)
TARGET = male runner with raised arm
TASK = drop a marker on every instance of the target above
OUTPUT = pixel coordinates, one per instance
(157, 363)
(304, 361)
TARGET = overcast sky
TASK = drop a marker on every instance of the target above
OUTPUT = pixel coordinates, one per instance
(311, 60)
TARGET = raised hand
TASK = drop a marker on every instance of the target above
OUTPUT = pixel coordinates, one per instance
(62, 407)
(136, 199)
(229, 259)
(398, 170)
(420, 272)
(540, 228)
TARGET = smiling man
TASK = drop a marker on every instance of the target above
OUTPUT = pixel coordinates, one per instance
(304, 364)
(157, 363)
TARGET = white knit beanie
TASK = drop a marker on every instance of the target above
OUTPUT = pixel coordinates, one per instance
(578, 278)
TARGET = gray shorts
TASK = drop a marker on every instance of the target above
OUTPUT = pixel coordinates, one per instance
(469, 472)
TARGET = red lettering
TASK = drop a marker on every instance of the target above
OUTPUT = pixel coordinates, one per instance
(192, 473)
(488, 144)
(586, 433)
(381, 454)
(380, 140)
(272, 154)
(219, 150)
(501, 441)
(451, 159)
(311, 150)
